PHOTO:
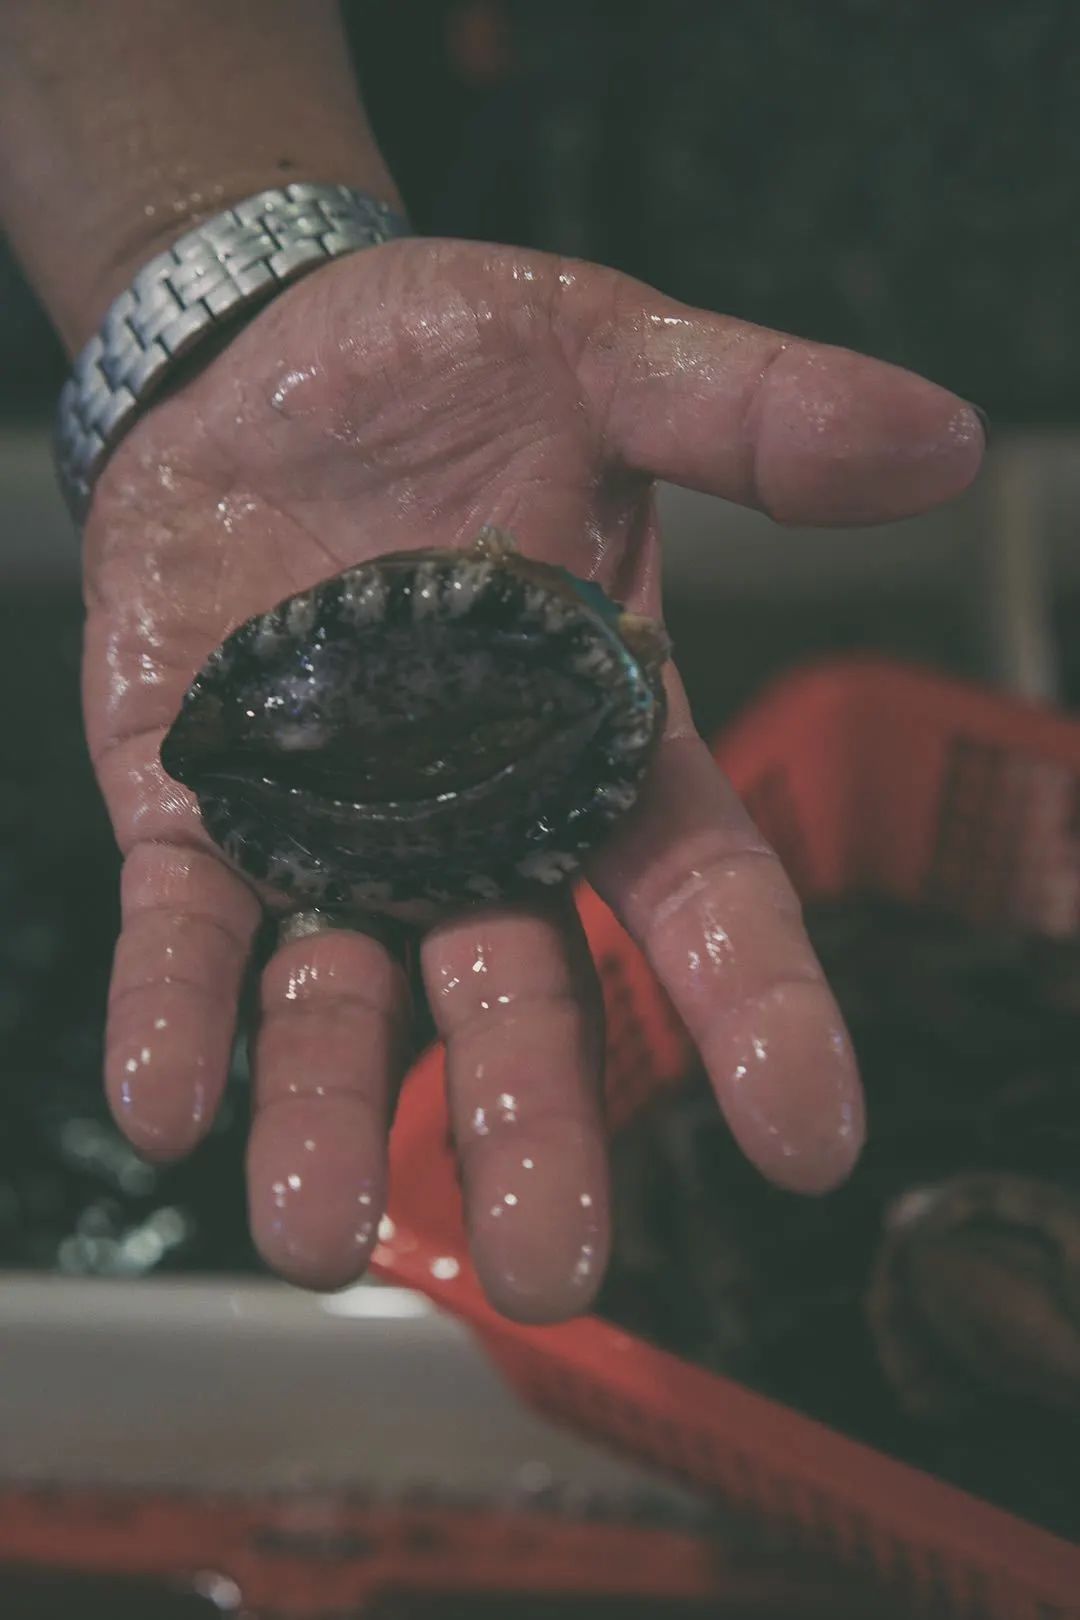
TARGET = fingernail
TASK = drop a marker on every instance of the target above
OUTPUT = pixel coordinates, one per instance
(984, 423)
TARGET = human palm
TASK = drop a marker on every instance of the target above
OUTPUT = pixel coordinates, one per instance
(405, 397)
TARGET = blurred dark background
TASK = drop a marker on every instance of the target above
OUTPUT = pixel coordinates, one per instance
(899, 178)
(903, 179)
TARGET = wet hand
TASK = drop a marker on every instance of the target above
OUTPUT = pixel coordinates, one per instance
(401, 398)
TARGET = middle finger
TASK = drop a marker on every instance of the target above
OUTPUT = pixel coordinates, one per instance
(514, 993)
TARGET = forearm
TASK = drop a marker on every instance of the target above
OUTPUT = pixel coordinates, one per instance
(122, 122)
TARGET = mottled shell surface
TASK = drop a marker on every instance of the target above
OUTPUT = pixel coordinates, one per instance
(425, 730)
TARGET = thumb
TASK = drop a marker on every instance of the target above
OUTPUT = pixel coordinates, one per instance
(808, 433)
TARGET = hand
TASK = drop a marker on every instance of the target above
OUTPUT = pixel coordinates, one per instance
(405, 397)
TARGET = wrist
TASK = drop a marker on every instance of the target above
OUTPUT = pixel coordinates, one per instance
(128, 121)
(189, 296)
(147, 220)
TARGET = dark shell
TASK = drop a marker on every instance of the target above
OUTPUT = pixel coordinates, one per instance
(975, 1295)
(428, 729)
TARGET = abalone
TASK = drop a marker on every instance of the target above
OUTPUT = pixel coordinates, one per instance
(975, 1296)
(423, 731)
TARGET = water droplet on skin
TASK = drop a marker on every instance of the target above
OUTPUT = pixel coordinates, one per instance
(586, 1201)
(289, 384)
(445, 1268)
(299, 980)
(717, 945)
(479, 1122)
(387, 1230)
(161, 1023)
(294, 1182)
(847, 1127)
(508, 1108)
(528, 1164)
(231, 509)
(583, 1267)
(511, 1199)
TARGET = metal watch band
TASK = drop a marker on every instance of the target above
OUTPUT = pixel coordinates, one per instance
(232, 262)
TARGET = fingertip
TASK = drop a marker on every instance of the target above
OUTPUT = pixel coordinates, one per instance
(847, 440)
(540, 1229)
(561, 1302)
(329, 1275)
(176, 975)
(544, 1288)
(825, 1167)
(316, 1190)
(786, 1077)
(164, 1075)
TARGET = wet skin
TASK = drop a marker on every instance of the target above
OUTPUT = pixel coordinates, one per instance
(403, 398)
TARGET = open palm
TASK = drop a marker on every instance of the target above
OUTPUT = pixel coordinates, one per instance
(404, 397)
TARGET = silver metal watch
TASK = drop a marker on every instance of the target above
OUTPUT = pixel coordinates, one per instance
(229, 265)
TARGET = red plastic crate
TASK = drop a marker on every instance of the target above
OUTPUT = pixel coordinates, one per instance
(341, 1558)
(866, 778)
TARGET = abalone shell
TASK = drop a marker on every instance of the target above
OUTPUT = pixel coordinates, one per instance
(425, 730)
